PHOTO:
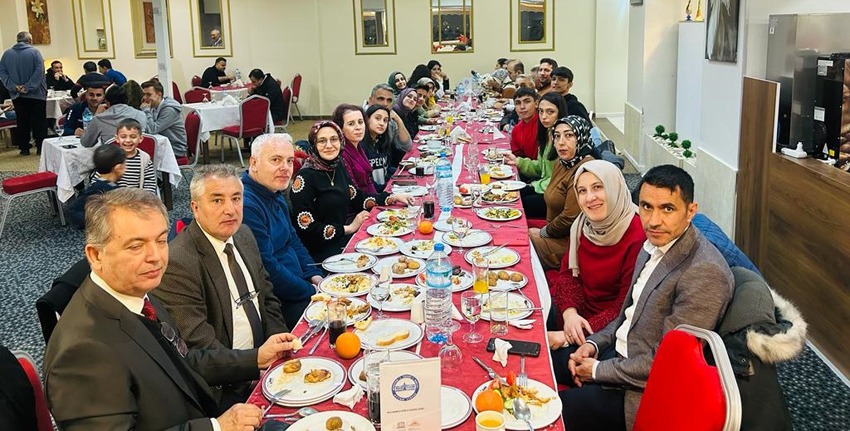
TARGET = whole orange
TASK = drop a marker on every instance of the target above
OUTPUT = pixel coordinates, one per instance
(347, 345)
(425, 227)
(489, 400)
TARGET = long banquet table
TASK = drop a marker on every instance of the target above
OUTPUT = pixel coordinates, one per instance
(512, 234)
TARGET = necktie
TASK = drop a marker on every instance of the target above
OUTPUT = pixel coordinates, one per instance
(148, 310)
(242, 288)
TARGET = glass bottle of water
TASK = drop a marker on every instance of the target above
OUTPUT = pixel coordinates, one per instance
(438, 295)
(445, 184)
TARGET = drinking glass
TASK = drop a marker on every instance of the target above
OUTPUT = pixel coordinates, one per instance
(372, 359)
(450, 355)
(337, 318)
(481, 275)
(413, 214)
(470, 162)
(381, 292)
(470, 304)
(460, 227)
(484, 173)
(498, 310)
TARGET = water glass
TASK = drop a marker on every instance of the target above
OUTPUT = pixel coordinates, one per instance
(498, 310)
(381, 292)
(460, 227)
(450, 355)
(470, 304)
(481, 275)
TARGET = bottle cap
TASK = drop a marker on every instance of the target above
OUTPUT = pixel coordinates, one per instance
(439, 247)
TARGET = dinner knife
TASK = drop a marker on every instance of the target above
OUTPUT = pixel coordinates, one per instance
(493, 250)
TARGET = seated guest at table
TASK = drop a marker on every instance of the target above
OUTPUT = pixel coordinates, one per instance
(550, 108)
(139, 172)
(597, 271)
(266, 86)
(515, 68)
(680, 277)
(56, 78)
(510, 119)
(377, 144)
(397, 82)
(439, 77)
(322, 195)
(562, 82)
(109, 115)
(572, 143)
(397, 133)
(214, 75)
(164, 117)
(82, 113)
(104, 66)
(501, 63)
(134, 94)
(115, 360)
(405, 107)
(290, 268)
(524, 133)
(423, 115)
(90, 78)
(431, 98)
(7, 108)
(109, 163)
(350, 118)
(544, 70)
(419, 72)
(215, 286)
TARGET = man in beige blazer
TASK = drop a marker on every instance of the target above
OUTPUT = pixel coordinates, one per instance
(115, 360)
(200, 289)
(680, 277)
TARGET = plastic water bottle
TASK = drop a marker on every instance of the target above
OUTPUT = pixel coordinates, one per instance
(87, 116)
(438, 295)
(445, 184)
(238, 74)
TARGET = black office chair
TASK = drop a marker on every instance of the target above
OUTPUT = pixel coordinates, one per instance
(52, 304)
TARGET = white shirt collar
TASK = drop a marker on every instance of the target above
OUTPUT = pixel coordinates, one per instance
(133, 303)
(217, 244)
(649, 248)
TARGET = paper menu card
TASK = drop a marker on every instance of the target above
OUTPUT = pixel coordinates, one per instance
(410, 395)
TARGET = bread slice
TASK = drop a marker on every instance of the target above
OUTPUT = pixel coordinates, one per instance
(320, 297)
(392, 338)
(296, 344)
(363, 324)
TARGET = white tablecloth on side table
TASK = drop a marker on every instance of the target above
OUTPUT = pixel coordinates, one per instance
(215, 116)
(73, 165)
(238, 93)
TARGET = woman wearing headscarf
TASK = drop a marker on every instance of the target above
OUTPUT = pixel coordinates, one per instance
(377, 144)
(322, 195)
(419, 72)
(572, 146)
(350, 118)
(397, 82)
(405, 107)
(424, 114)
(597, 272)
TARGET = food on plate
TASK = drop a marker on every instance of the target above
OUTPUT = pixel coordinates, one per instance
(347, 345)
(334, 423)
(516, 277)
(349, 283)
(503, 275)
(324, 297)
(491, 196)
(497, 257)
(460, 200)
(392, 225)
(404, 294)
(362, 376)
(424, 245)
(501, 213)
(363, 324)
(394, 337)
(378, 243)
(508, 392)
(362, 261)
(492, 279)
(489, 400)
(292, 366)
(296, 344)
(405, 265)
(317, 375)
(464, 190)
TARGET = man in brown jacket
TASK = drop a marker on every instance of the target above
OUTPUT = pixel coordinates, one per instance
(680, 277)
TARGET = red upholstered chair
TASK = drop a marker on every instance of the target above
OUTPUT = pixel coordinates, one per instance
(8, 125)
(175, 90)
(192, 124)
(196, 81)
(253, 122)
(296, 93)
(42, 412)
(197, 94)
(684, 392)
(300, 158)
(286, 92)
(26, 185)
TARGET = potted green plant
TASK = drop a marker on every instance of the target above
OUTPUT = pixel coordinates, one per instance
(672, 137)
(659, 131)
(686, 144)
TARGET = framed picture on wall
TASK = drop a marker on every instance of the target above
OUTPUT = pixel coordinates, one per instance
(93, 29)
(532, 25)
(144, 35)
(374, 27)
(210, 25)
(636, 2)
(721, 30)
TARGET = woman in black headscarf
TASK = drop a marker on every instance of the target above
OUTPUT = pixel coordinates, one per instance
(405, 107)
(397, 82)
(419, 72)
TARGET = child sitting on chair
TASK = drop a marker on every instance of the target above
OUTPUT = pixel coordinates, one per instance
(109, 163)
(139, 172)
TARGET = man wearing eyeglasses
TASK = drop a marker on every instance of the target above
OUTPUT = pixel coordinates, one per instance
(115, 360)
(215, 286)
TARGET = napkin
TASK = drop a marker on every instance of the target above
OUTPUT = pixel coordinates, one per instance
(350, 397)
(501, 353)
(457, 132)
(237, 83)
(497, 134)
(456, 313)
(417, 309)
(522, 324)
(229, 100)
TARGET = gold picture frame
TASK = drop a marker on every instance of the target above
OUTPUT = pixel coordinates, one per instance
(521, 27)
(202, 46)
(386, 21)
(101, 43)
(441, 43)
(144, 36)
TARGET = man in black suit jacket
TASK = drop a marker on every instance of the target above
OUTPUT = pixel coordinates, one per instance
(200, 291)
(115, 360)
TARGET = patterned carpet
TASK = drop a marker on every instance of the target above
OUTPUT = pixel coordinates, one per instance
(35, 249)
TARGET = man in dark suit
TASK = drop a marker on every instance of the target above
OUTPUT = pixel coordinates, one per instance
(115, 360)
(200, 289)
(680, 277)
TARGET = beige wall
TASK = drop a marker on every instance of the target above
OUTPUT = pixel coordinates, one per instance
(314, 38)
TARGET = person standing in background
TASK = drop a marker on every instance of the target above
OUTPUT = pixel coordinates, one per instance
(22, 73)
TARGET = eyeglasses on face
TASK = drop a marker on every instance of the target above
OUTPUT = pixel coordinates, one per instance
(325, 142)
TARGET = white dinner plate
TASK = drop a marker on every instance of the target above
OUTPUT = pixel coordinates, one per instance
(501, 172)
(302, 393)
(385, 328)
(379, 245)
(497, 197)
(357, 310)
(395, 356)
(355, 284)
(421, 248)
(410, 190)
(502, 258)
(541, 416)
(474, 238)
(381, 229)
(498, 213)
(429, 127)
(459, 282)
(455, 407)
(349, 262)
(316, 422)
(508, 285)
(392, 260)
(392, 212)
(518, 307)
(401, 297)
(442, 226)
(510, 185)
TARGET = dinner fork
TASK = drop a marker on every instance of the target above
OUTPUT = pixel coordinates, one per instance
(522, 377)
(319, 341)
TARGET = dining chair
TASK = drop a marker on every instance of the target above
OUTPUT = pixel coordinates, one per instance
(42, 411)
(175, 91)
(28, 184)
(197, 95)
(253, 122)
(192, 123)
(7, 125)
(684, 391)
(281, 125)
(196, 81)
(296, 93)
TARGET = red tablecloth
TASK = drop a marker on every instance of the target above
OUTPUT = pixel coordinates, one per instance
(513, 234)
